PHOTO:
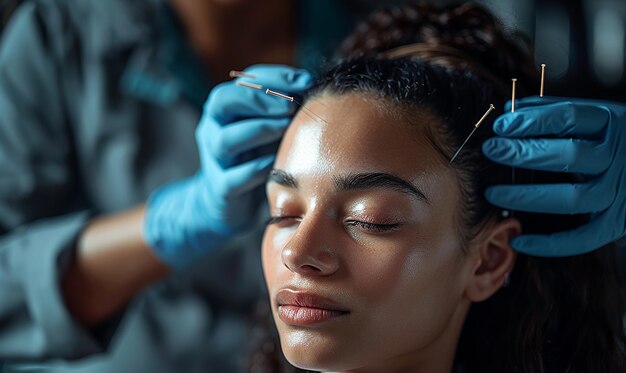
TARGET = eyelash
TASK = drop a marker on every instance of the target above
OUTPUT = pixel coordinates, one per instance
(280, 219)
(376, 228)
(371, 227)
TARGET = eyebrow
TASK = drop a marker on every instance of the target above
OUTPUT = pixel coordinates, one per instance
(363, 180)
(368, 180)
(283, 178)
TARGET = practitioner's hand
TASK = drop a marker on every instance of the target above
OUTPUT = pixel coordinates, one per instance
(565, 135)
(237, 137)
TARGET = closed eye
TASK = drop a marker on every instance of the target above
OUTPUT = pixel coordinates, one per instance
(282, 220)
(372, 227)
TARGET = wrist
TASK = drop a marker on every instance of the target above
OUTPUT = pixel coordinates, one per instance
(112, 264)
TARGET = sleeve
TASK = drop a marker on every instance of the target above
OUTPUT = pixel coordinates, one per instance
(38, 186)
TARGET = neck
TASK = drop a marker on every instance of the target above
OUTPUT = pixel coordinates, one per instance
(233, 34)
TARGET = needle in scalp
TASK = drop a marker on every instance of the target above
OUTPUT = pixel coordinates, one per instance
(290, 98)
(543, 75)
(513, 94)
(491, 107)
(269, 91)
(278, 94)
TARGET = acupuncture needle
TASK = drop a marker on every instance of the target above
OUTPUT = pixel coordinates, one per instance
(543, 75)
(241, 74)
(290, 98)
(249, 85)
(491, 107)
(513, 80)
(513, 94)
(283, 96)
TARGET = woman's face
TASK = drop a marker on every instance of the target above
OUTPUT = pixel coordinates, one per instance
(362, 260)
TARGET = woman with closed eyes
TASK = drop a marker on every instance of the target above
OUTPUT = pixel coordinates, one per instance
(382, 256)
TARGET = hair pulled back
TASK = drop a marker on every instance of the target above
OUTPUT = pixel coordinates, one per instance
(557, 314)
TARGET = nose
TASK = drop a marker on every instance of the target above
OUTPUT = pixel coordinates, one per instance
(310, 252)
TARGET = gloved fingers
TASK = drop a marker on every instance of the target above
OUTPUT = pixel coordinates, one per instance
(535, 100)
(559, 155)
(245, 177)
(227, 142)
(563, 119)
(282, 78)
(581, 240)
(228, 102)
(553, 198)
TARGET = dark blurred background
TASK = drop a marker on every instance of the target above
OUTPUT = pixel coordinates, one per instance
(581, 41)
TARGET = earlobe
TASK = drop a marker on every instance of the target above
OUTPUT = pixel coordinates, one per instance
(495, 259)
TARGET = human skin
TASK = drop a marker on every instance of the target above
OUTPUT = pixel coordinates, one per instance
(396, 295)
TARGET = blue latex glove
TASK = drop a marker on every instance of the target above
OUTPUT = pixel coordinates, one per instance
(588, 137)
(186, 219)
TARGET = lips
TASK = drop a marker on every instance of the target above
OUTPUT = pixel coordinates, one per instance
(304, 308)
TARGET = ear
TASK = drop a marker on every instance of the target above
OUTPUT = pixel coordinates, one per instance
(494, 259)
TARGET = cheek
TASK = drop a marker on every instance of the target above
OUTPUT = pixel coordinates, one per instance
(407, 263)
(411, 291)
(431, 283)
(381, 265)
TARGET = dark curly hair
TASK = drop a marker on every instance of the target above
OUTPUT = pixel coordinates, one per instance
(557, 314)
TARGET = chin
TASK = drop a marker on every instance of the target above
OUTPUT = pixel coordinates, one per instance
(315, 363)
(316, 356)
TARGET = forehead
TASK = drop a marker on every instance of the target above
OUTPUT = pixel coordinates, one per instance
(360, 135)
